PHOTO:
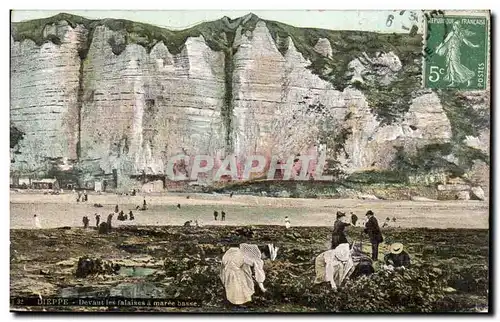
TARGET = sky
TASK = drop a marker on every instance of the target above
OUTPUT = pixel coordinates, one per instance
(367, 20)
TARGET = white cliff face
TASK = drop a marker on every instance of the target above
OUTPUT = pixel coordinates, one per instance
(271, 95)
(141, 107)
(372, 145)
(44, 90)
(257, 76)
(261, 105)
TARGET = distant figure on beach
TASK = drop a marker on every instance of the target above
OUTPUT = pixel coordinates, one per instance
(144, 205)
(339, 235)
(287, 222)
(37, 221)
(373, 230)
(354, 218)
(223, 216)
(188, 223)
(85, 222)
(178, 206)
(116, 209)
(110, 218)
(85, 195)
(231, 195)
(97, 220)
(78, 196)
(131, 215)
(216, 213)
(133, 192)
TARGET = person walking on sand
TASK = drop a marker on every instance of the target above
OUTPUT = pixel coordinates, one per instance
(216, 213)
(97, 220)
(338, 234)
(287, 222)
(236, 271)
(373, 230)
(110, 218)
(85, 221)
(223, 216)
(37, 222)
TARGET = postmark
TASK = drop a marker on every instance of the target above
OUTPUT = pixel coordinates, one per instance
(456, 51)
(407, 20)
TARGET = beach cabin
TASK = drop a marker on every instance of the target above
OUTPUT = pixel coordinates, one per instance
(50, 184)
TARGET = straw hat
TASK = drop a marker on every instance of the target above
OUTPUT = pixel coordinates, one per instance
(369, 213)
(340, 214)
(396, 248)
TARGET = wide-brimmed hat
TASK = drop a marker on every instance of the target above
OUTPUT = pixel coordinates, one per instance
(369, 213)
(340, 214)
(396, 248)
(342, 252)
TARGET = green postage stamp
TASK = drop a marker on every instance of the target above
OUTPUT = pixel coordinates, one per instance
(456, 50)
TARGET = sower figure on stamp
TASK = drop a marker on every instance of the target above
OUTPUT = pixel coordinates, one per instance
(456, 72)
(373, 230)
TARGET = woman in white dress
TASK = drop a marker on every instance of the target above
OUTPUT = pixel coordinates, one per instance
(334, 266)
(37, 221)
(236, 272)
(287, 222)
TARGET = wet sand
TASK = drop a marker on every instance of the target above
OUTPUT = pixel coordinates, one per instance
(63, 210)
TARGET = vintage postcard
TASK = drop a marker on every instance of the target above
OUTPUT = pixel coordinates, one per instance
(237, 161)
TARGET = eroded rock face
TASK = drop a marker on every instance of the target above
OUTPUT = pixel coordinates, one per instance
(324, 47)
(126, 109)
(140, 108)
(381, 67)
(44, 97)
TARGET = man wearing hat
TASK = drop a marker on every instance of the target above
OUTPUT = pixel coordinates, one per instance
(338, 235)
(397, 257)
(373, 230)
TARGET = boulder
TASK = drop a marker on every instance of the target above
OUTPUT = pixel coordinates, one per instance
(104, 228)
(92, 266)
(366, 196)
(463, 195)
(283, 194)
(477, 193)
(453, 187)
(417, 198)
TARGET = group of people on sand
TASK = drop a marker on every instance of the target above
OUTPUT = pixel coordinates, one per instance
(342, 261)
(83, 197)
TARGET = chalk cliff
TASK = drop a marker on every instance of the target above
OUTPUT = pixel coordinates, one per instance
(93, 96)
